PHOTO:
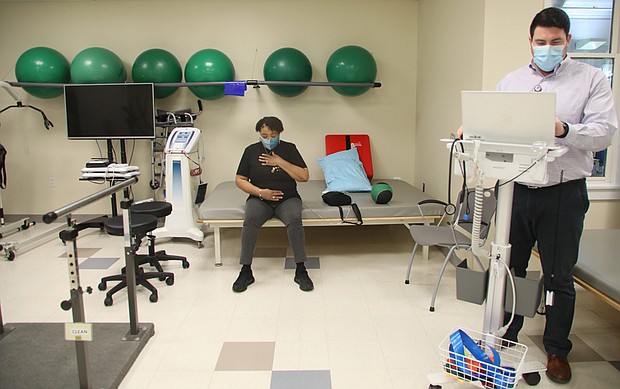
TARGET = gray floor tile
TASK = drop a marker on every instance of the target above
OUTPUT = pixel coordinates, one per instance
(581, 352)
(301, 379)
(83, 252)
(98, 263)
(312, 263)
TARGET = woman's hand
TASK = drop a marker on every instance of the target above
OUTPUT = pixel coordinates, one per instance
(271, 195)
(245, 185)
(270, 159)
(297, 173)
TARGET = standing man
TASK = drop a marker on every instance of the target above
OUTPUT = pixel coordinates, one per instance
(553, 215)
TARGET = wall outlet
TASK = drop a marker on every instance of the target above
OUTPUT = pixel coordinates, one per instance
(52, 182)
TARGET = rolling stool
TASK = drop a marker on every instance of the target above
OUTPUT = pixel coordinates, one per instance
(159, 209)
(141, 225)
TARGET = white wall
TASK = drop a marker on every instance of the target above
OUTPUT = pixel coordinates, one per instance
(247, 31)
(450, 34)
(506, 33)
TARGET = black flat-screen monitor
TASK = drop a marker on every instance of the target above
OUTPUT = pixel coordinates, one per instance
(110, 111)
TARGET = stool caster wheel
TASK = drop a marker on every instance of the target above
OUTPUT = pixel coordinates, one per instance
(102, 286)
(431, 386)
(531, 378)
(169, 281)
(185, 264)
(10, 255)
(65, 305)
(153, 297)
(108, 301)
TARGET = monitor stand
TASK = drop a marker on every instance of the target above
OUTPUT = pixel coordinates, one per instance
(506, 162)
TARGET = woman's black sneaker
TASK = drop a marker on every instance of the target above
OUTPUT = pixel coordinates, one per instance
(304, 281)
(243, 281)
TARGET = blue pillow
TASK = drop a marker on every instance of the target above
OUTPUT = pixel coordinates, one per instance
(344, 172)
(344, 154)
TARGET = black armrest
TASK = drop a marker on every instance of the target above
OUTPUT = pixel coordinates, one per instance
(432, 201)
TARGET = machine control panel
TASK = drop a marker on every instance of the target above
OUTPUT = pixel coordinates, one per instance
(182, 140)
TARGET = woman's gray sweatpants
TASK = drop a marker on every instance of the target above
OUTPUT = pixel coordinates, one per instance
(257, 212)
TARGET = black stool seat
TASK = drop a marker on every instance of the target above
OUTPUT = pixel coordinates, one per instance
(158, 209)
(140, 224)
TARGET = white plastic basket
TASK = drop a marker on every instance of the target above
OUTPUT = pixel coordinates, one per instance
(467, 368)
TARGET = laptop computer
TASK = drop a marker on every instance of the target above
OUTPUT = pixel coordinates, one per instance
(508, 117)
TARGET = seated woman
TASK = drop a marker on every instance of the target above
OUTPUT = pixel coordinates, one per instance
(268, 172)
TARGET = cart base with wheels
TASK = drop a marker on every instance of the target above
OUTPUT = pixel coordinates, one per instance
(502, 367)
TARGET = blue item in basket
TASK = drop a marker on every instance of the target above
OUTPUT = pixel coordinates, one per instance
(484, 369)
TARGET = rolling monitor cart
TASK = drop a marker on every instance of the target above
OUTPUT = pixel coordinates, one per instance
(110, 112)
(510, 139)
(506, 162)
(529, 163)
(484, 155)
(181, 186)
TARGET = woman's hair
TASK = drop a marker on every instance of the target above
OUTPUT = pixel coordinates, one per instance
(551, 17)
(272, 122)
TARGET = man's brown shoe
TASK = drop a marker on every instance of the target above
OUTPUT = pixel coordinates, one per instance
(558, 369)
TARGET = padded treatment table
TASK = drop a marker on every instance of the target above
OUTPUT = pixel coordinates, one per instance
(598, 268)
(225, 207)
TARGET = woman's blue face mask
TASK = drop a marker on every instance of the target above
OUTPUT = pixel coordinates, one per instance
(548, 57)
(270, 144)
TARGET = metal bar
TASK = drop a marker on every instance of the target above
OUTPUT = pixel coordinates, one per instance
(130, 272)
(218, 246)
(219, 83)
(77, 308)
(76, 303)
(500, 247)
(5, 85)
(53, 215)
(124, 160)
(314, 83)
(1, 322)
(113, 195)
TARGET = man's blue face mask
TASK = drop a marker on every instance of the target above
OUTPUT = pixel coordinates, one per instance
(270, 144)
(548, 57)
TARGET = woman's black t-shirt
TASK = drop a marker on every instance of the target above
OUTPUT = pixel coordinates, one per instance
(271, 177)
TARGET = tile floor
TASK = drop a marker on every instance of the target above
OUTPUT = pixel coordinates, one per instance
(361, 327)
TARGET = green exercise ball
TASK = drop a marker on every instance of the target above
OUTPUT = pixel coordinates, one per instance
(97, 65)
(209, 65)
(42, 64)
(287, 64)
(157, 65)
(381, 193)
(351, 64)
